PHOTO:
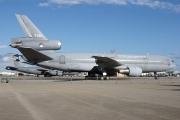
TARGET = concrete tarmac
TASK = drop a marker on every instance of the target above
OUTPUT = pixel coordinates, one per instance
(63, 99)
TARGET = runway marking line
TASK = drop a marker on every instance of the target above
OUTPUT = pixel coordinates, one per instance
(80, 91)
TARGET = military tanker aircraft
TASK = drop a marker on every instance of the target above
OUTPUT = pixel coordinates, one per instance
(37, 49)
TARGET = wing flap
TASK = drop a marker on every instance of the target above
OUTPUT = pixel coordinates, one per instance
(43, 70)
(107, 61)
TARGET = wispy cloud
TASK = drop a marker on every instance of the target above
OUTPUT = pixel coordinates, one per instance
(148, 3)
(44, 4)
(4, 61)
(174, 56)
(4, 58)
(91, 2)
(4, 46)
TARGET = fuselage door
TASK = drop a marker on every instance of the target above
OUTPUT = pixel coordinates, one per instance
(62, 59)
(145, 63)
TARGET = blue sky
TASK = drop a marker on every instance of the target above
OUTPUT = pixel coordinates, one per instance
(126, 26)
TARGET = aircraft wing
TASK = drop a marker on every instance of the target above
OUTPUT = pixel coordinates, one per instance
(33, 55)
(107, 61)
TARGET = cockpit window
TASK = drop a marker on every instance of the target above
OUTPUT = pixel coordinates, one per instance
(173, 61)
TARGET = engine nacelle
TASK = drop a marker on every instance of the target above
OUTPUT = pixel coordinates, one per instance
(54, 73)
(38, 44)
(132, 71)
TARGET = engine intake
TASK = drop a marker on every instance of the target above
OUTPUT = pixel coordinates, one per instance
(55, 73)
(132, 71)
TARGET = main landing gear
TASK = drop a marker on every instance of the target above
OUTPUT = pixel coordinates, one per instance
(47, 75)
(102, 76)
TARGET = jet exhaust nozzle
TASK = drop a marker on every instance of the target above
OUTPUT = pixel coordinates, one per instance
(15, 45)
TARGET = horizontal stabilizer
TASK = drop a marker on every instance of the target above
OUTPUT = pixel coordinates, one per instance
(33, 55)
(10, 68)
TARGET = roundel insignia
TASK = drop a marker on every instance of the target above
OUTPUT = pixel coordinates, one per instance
(41, 45)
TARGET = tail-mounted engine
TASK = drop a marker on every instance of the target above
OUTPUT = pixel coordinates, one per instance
(36, 44)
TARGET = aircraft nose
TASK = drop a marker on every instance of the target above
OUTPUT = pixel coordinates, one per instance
(174, 65)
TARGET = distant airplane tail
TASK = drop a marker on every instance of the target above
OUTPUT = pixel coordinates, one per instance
(29, 28)
(15, 62)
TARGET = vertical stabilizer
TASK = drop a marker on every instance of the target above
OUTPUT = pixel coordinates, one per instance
(15, 63)
(12, 61)
(29, 28)
(18, 64)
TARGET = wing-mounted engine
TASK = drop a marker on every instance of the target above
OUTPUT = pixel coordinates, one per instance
(131, 71)
(52, 73)
(36, 44)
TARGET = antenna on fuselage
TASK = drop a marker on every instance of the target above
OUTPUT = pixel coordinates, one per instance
(113, 51)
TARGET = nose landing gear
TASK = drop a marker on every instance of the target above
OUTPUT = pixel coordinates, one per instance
(156, 75)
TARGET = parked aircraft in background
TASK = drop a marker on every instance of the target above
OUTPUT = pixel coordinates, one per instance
(104, 64)
(16, 64)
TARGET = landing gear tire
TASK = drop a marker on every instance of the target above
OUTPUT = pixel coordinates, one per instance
(101, 78)
(104, 78)
(47, 75)
(107, 78)
(156, 77)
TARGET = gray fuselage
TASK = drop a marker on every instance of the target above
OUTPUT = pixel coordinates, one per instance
(84, 62)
